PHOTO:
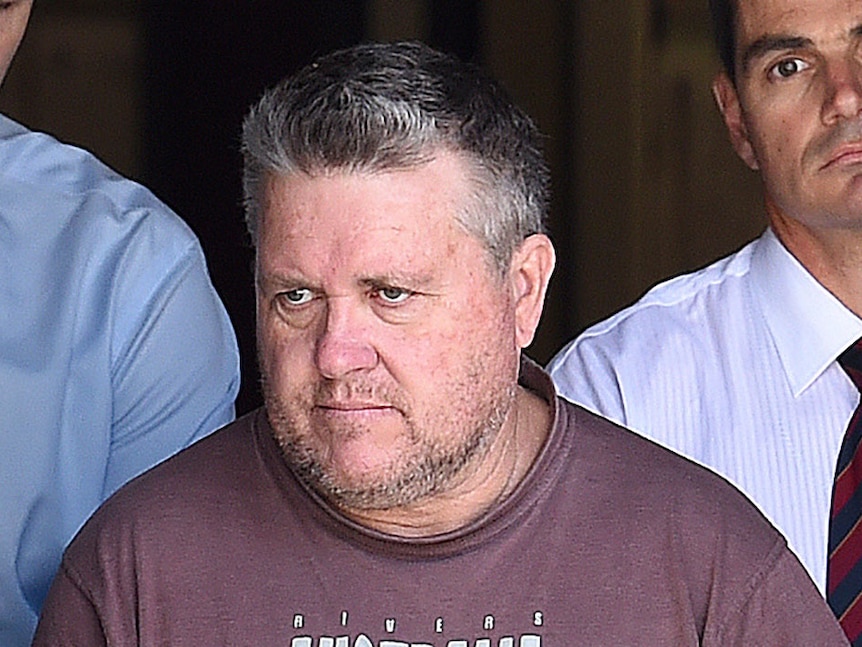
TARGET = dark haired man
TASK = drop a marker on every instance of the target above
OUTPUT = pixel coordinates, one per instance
(412, 479)
(115, 350)
(744, 366)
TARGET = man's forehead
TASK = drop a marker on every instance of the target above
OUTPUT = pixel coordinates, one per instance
(755, 18)
(401, 198)
(359, 217)
(764, 26)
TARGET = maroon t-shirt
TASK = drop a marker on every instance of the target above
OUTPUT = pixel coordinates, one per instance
(609, 540)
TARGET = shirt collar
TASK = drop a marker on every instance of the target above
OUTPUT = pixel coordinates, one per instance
(809, 325)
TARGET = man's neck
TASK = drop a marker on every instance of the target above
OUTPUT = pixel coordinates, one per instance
(833, 256)
(491, 481)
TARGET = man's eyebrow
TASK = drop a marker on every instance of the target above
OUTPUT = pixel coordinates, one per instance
(777, 43)
(398, 280)
(772, 43)
(275, 280)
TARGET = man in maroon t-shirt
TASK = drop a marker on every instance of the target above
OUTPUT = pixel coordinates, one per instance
(412, 480)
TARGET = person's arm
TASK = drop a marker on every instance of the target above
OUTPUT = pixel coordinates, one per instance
(69, 618)
(784, 608)
(176, 368)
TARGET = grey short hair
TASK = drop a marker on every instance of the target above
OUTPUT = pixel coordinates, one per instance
(376, 107)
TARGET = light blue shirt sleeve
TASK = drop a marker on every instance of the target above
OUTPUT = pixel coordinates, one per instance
(175, 369)
(115, 352)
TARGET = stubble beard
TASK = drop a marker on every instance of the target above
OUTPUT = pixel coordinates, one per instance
(431, 467)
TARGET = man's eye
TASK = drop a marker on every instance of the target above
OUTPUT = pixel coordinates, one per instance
(10, 4)
(393, 295)
(788, 67)
(296, 297)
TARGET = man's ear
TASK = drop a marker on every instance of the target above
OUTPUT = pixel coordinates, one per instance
(731, 111)
(531, 269)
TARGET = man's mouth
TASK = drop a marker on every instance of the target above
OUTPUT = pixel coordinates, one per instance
(844, 155)
(347, 407)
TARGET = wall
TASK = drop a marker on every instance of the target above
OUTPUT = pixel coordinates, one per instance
(658, 188)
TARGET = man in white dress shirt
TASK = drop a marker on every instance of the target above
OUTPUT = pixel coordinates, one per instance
(735, 365)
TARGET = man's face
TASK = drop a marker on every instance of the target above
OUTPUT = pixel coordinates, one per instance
(795, 111)
(387, 343)
(13, 21)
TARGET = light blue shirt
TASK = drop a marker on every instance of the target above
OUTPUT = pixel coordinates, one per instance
(733, 366)
(115, 352)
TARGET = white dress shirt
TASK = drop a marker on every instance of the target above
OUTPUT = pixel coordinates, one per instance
(733, 366)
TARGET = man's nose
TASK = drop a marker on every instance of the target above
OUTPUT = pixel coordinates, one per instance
(344, 344)
(843, 91)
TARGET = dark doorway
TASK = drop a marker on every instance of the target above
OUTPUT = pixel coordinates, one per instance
(204, 67)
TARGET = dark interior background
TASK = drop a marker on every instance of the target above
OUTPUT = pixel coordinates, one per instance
(645, 184)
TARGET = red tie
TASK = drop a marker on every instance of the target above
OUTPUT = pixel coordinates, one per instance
(844, 574)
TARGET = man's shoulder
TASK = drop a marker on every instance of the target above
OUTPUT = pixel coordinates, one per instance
(681, 300)
(70, 185)
(31, 156)
(211, 473)
(172, 514)
(675, 322)
(651, 478)
(695, 529)
(633, 457)
(113, 234)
